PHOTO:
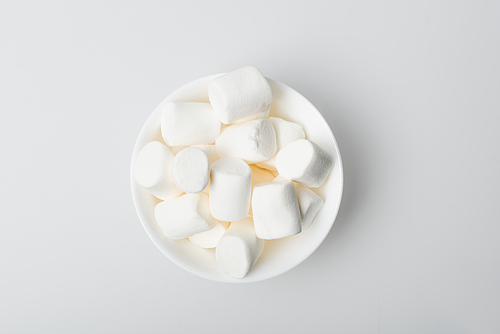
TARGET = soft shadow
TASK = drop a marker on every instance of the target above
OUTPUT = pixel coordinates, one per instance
(342, 116)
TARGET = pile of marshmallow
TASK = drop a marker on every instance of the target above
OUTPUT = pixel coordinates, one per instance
(251, 186)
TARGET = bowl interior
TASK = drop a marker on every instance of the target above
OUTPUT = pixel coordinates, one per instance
(280, 255)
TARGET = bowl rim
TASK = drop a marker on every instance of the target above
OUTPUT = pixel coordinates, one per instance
(199, 272)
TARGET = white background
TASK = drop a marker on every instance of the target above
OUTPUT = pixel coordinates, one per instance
(411, 90)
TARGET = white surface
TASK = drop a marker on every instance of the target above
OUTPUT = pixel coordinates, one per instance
(410, 90)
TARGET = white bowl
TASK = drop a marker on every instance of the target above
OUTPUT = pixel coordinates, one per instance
(278, 256)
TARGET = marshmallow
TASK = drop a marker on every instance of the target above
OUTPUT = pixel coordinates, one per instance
(230, 189)
(252, 141)
(243, 93)
(184, 216)
(304, 162)
(152, 170)
(191, 170)
(276, 210)
(189, 123)
(210, 238)
(209, 151)
(260, 175)
(286, 132)
(309, 203)
(238, 249)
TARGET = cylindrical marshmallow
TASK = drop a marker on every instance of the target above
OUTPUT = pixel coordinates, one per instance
(210, 151)
(304, 162)
(191, 170)
(189, 123)
(309, 203)
(210, 238)
(275, 210)
(230, 189)
(152, 170)
(238, 249)
(286, 132)
(242, 93)
(252, 141)
(184, 216)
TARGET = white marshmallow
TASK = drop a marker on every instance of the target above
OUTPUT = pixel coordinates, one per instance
(309, 203)
(152, 170)
(286, 132)
(210, 151)
(184, 216)
(238, 249)
(260, 175)
(304, 162)
(230, 189)
(240, 94)
(276, 210)
(191, 170)
(252, 141)
(189, 123)
(210, 238)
